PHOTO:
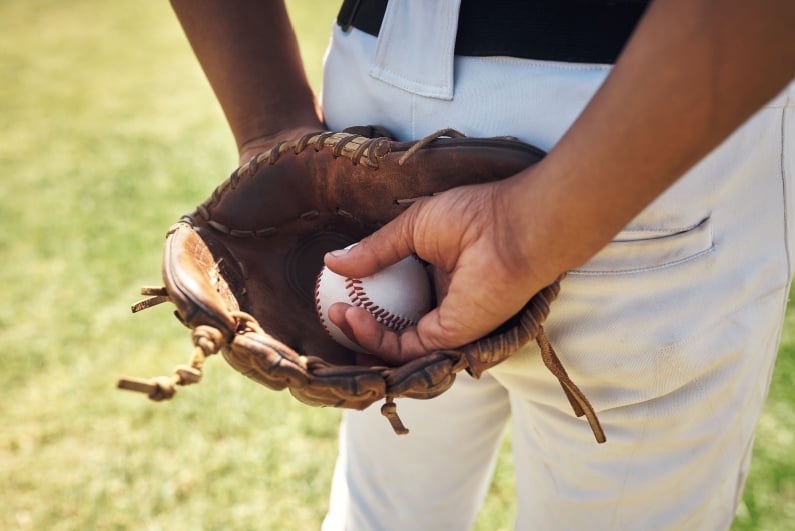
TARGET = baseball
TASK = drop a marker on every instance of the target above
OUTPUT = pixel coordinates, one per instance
(397, 296)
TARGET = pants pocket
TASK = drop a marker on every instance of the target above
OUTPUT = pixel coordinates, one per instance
(638, 250)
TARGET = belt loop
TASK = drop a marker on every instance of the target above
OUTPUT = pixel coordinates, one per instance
(347, 14)
(415, 47)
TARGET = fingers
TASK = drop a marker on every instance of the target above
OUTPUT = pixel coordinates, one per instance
(393, 348)
(385, 247)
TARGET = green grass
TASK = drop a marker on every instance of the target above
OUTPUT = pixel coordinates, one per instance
(108, 133)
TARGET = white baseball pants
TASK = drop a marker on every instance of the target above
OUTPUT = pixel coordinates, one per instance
(671, 331)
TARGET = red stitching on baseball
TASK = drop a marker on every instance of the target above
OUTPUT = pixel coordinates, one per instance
(317, 303)
(358, 297)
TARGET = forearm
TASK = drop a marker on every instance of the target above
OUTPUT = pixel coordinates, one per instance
(249, 53)
(691, 74)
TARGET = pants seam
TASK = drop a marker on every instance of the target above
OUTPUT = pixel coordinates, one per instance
(784, 182)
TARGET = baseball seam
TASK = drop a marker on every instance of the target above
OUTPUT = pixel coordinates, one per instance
(358, 297)
(318, 305)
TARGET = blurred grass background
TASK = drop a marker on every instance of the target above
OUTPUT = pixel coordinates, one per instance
(108, 133)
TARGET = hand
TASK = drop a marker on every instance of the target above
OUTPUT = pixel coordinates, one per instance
(261, 143)
(473, 236)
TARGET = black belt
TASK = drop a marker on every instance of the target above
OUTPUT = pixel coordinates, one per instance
(578, 31)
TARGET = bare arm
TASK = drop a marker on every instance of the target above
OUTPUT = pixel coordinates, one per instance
(249, 53)
(691, 74)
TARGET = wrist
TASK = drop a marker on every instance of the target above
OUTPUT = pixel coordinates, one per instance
(265, 141)
(547, 224)
(522, 223)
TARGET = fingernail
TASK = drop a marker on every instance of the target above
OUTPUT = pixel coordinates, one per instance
(343, 252)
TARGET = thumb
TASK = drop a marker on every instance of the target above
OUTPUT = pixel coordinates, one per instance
(387, 246)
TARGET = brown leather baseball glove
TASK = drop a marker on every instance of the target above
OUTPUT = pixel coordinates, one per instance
(241, 268)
